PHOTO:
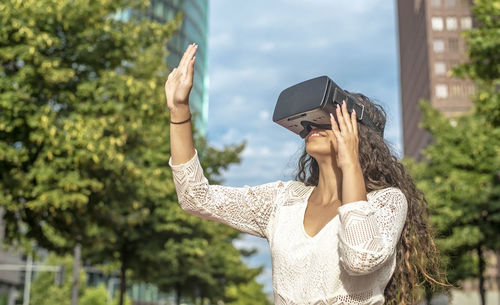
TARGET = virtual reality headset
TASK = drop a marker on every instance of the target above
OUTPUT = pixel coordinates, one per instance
(308, 104)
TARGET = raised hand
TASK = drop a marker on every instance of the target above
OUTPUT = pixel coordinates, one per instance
(180, 80)
(346, 133)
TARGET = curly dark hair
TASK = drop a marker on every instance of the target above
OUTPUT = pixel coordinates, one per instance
(417, 260)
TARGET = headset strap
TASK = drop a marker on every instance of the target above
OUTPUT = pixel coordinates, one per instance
(340, 95)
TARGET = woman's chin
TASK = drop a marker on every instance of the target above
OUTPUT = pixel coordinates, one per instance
(319, 149)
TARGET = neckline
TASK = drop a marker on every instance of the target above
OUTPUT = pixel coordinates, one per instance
(304, 215)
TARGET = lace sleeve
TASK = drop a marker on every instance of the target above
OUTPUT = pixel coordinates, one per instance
(370, 230)
(247, 209)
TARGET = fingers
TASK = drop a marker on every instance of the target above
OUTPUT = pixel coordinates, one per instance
(190, 68)
(354, 121)
(184, 56)
(187, 57)
(340, 118)
(335, 127)
(347, 123)
(346, 118)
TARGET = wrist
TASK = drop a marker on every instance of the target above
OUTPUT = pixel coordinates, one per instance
(180, 113)
(351, 167)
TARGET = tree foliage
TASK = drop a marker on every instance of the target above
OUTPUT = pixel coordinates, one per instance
(458, 180)
(84, 145)
(46, 290)
(460, 173)
(246, 294)
(78, 97)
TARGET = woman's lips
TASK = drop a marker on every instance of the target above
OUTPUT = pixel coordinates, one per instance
(315, 133)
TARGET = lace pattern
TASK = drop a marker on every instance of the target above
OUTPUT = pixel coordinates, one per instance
(350, 262)
(247, 209)
(370, 230)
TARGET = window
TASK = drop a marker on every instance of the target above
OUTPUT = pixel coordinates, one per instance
(436, 3)
(453, 45)
(450, 3)
(456, 90)
(466, 23)
(158, 9)
(471, 90)
(441, 91)
(437, 23)
(439, 68)
(451, 23)
(438, 45)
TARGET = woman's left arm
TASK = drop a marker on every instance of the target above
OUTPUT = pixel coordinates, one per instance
(370, 229)
(346, 133)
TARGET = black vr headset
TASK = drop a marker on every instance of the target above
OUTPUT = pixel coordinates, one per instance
(309, 104)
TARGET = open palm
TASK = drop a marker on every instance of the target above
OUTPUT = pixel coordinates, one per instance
(346, 133)
(180, 80)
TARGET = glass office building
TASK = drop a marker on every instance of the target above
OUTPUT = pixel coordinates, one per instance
(194, 29)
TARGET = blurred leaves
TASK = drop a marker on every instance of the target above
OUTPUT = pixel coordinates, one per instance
(84, 146)
(46, 290)
(459, 175)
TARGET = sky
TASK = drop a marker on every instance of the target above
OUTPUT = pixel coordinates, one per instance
(258, 48)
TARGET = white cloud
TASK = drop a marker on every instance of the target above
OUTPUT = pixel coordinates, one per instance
(267, 46)
(230, 136)
(264, 115)
(221, 40)
(232, 77)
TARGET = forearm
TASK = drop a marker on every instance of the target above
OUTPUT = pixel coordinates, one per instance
(353, 184)
(177, 89)
(181, 136)
(370, 230)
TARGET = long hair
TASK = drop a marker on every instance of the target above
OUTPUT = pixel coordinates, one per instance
(417, 259)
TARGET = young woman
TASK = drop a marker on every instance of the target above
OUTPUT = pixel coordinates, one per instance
(353, 228)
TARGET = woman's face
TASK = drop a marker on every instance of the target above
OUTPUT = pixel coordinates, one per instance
(321, 143)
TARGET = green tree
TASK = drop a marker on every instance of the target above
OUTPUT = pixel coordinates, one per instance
(249, 293)
(82, 128)
(99, 296)
(84, 139)
(458, 180)
(483, 66)
(463, 162)
(47, 290)
(198, 261)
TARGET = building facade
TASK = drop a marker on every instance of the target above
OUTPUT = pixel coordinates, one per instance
(430, 44)
(194, 29)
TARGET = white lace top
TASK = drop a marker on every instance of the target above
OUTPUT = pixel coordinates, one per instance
(349, 261)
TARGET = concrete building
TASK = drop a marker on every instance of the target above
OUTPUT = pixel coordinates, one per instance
(194, 30)
(430, 44)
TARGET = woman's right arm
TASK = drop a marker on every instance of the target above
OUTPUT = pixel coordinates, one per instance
(177, 89)
(247, 209)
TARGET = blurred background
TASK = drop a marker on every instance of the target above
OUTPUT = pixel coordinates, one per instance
(88, 210)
